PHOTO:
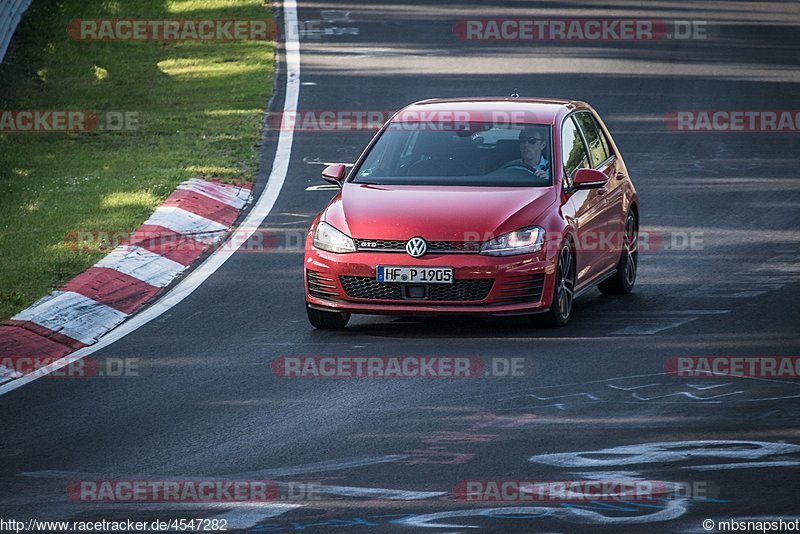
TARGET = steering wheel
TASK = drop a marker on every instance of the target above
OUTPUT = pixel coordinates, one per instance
(519, 166)
(437, 165)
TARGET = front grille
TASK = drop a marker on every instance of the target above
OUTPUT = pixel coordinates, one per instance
(321, 287)
(439, 247)
(365, 287)
(521, 289)
(451, 247)
(461, 290)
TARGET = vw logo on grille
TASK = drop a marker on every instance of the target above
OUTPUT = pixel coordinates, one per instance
(416, 246)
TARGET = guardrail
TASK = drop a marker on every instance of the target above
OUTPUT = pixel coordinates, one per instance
(10, 14)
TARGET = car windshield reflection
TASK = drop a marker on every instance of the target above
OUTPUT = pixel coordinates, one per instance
(470, 154)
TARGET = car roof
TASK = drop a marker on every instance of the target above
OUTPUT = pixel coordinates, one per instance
(535, 110)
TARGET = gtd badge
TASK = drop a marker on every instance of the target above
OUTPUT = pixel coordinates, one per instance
(416, 247)
(369, 244)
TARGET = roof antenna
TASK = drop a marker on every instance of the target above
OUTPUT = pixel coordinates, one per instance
(515, 94)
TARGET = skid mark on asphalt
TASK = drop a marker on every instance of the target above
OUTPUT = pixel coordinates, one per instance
(321, 467)
(672, 452)
(643, 323)
(685, 394)
(655, 327)
(772, 275)
(587, 395)
(328, 25)
(239, 515)
(575, 514)
(748, 465)
(248, 515)
(656, 388)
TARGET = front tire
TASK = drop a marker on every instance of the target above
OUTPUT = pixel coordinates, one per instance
(325, 320)
(623, 280)
(563, 291)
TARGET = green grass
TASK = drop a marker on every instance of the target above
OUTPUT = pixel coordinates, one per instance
(199, 107)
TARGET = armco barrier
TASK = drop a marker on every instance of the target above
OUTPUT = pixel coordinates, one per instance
(10, 14)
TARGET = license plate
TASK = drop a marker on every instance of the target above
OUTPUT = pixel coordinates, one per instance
(426, 275)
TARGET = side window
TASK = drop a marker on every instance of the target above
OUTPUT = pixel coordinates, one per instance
(573, 151)
(598, 147)
(604, 139)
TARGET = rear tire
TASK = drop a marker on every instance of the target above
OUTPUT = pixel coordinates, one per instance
(623, 280)
(325, 320)
(563, 291)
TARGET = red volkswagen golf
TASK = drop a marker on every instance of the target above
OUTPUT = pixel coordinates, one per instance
(499, 206)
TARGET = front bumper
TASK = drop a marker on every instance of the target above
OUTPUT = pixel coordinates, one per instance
(483, 285)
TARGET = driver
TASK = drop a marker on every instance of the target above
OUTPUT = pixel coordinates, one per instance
(532, 144)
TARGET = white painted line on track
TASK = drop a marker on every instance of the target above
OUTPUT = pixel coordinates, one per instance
(7, 374)
(744, 465)
(652, 327)
(247, 515)
(254, 219)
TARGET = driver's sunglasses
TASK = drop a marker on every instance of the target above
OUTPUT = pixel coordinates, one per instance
(531, 140)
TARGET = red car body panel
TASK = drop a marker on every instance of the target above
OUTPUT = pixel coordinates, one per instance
(367, 211)
(449, 213)
(465, 266)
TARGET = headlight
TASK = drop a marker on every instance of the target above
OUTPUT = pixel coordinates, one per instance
(326, 237)
(522, 241)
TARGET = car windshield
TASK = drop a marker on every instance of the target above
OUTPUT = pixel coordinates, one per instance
(477, 154)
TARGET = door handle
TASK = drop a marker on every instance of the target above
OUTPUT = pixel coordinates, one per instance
(602, 190)
(620, 175)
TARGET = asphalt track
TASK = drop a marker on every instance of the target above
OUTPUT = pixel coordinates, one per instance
(206, 404)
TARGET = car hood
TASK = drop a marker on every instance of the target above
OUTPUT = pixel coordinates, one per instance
(436, 213)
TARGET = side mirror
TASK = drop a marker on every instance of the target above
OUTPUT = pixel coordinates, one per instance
(334, 174)
(588, 179)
